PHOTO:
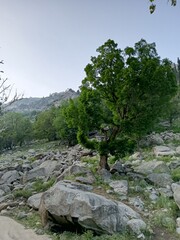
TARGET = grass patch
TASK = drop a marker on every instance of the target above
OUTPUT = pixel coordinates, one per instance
(88, 235)
(164, 202)
(162, 219)
(165, 213)
(25, 193)
(38, 186)
(175, 173)
(41, 186)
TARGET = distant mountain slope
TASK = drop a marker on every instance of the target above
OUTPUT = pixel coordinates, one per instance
(27, 105)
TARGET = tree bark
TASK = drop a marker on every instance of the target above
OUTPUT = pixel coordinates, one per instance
(103, 162)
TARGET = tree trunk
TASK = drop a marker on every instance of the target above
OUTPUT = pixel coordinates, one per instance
(103, 162)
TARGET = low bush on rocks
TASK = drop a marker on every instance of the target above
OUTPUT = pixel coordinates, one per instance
(176, 174)
(22, 193)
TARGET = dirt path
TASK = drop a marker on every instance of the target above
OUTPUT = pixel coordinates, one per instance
(11, 230)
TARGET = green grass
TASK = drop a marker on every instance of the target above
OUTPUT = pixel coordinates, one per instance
(162, 219)
(38, 186)
(166, 203)
(165, 213)
(88, 235)
(25, 193)
(41, 186)
(175, 173)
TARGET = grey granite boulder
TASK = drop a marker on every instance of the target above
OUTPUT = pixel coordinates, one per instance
(49, 166)
(119, 186)
(176, 193)
(9, 177)
(153, 166)
(35, 174)
(160, 179)
(70, 206)
(34, 200)
(163, 151)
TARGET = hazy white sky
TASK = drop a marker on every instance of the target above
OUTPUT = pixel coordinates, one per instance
(45, 44)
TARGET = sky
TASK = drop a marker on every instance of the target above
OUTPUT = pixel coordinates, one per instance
(46, 44)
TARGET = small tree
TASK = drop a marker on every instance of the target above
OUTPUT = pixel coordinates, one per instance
(122, 95)
(43, 126)
(65, 133)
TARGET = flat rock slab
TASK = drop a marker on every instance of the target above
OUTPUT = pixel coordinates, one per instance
(163, 151)
(11, 230)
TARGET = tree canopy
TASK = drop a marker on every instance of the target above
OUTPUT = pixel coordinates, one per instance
(122, 95)
(15, 129)
(43, 125)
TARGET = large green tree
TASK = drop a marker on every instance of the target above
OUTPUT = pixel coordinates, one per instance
(122, 95)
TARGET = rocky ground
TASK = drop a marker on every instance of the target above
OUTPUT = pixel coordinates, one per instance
(11, 230)
(139, 197)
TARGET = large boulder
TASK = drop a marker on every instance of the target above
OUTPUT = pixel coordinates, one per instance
(69, 205)
(176, 193)
(160, 179)
(9, 177)
(34, 174)
(153, 166)
(75, 170)
(163, 151)
(49, 166)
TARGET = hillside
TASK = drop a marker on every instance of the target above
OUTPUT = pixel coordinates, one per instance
(141, 191)
(27, 105)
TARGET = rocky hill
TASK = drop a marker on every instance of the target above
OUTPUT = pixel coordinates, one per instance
(27, 105)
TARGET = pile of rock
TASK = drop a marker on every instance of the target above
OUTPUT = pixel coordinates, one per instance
(74, 204)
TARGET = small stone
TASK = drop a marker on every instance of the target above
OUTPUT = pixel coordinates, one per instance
(178, 230)
(110, 191)
(21, 215)
(1, 192)
(137, 225)
(141, 236)
(22, 203)
(120, 186)
(178, 222)
(4, 211)
(153, 196)
(85, 180)
(137, 203)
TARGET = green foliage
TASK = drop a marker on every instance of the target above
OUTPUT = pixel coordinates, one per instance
(122, 96)
(166, 203)
(173, 112)
(65, 132)
(161, 219)
(38, 186)
(15, 129)
(41, 186)
(43, 126)
(176, 174)
(22, 193)
(165, 213)
(88, 235)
